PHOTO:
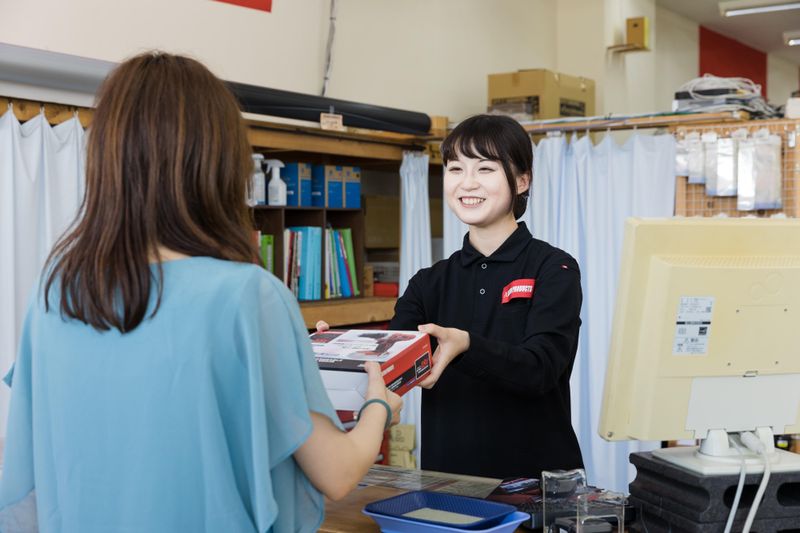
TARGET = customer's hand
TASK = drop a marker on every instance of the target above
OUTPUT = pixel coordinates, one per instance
(452, 343)
(322, 326)
(377, 389)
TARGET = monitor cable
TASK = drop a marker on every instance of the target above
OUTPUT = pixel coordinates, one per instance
(753, 443)
(739, 487)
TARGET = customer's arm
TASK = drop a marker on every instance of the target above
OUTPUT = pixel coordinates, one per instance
(336, 461)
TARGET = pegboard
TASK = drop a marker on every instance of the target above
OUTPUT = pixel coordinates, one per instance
(691, 199)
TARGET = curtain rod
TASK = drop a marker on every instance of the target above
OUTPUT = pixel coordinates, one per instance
(628, 122)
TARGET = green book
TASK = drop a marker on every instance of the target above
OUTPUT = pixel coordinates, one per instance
(268, 252)
(347, 235)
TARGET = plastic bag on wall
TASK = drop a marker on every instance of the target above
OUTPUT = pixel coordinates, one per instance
(681, 158)
(727, 148)
(745, 175)
(710, 161)
(768, 170)
(759, 172)
(694, 147)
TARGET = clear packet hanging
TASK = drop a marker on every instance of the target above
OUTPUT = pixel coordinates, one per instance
(727, 152)
(694, 148)
(768, 164)
(681, 158)
(746, 175)
(710, 140)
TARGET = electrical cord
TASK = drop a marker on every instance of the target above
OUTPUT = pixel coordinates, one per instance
(753, 443)
(745, 91)
(329, 49)
(739, 487)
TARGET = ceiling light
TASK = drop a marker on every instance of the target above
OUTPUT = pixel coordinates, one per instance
(791, 38)
(733, 8)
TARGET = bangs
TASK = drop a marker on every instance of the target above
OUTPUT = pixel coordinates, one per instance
(475, 139)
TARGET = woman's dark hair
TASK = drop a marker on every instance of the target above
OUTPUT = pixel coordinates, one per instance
(497, 138)
(167, 164)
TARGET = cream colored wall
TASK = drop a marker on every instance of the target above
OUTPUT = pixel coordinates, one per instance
(431, 56)
(281, 49)
(782, 79)
(434, 56)
(677, 54)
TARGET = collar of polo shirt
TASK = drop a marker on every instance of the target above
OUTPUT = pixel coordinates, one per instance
(507, 252)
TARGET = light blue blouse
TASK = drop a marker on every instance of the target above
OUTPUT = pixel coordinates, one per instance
(186, 424)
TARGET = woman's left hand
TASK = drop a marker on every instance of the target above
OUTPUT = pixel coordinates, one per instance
(452, 343)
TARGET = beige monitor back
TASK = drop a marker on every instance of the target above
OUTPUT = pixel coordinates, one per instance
(706, 330)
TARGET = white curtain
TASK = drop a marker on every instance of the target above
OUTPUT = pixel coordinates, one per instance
(582, 195)
(41, 188)
(453, 230)
(415, 253)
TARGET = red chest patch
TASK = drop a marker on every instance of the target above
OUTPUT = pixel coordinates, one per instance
(520, 288)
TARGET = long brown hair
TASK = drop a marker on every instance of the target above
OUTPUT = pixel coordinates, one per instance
(167, 164)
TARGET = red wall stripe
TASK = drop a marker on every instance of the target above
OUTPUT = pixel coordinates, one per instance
(261, 5)
(722, 56)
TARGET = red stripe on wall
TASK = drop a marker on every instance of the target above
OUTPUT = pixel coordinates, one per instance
(261, 5)
(722, 56)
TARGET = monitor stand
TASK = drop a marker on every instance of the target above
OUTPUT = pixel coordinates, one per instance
(716, 457)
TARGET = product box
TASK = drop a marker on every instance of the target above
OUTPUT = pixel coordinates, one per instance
(298, 184)
(327, 189)
(540, 94)
(404, 356)
(351, 177)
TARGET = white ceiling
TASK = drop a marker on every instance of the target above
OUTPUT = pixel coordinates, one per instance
(763, 31)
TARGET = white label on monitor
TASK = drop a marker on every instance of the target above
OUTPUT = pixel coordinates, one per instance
(693, 325)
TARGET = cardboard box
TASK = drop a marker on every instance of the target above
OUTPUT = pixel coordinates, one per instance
(326, 186)
(351, 177)
(298, 184)
(404, 356)
(537, 94)
(637, 32)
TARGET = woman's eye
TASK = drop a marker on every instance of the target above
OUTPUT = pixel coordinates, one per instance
(485, 169)
(453, 169)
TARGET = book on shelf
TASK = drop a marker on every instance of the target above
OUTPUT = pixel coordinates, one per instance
(302, 263)
(267, 251)
(341, 275)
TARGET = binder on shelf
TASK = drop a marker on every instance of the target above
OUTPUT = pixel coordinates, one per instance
(351, 178)
(298, 184)
(326, 186)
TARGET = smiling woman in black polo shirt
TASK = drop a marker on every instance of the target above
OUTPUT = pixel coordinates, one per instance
(505, 313)
(505, 310)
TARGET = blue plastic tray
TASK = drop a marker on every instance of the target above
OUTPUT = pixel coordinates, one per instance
(486, 513)
(391, 524)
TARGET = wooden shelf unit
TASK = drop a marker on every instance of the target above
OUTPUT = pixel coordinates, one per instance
(291, 142)
(362, 148)
(273, 220)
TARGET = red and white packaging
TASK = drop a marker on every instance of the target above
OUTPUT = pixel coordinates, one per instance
(404, 356)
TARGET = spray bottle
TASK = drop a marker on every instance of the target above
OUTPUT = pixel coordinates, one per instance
(258, 191)
(277, 188)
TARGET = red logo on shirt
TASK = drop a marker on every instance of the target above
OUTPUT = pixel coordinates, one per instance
(521, 288)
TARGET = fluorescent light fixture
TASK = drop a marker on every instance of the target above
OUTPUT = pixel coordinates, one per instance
(733, 8)
(792, 38)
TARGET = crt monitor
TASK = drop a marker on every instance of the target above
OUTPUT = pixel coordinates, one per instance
(706, 338)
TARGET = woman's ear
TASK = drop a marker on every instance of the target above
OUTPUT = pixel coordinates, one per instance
(523, 183)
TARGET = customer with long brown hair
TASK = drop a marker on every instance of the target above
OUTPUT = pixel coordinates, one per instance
(164, 382)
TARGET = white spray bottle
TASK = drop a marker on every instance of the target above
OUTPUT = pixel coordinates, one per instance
(258, 191)
(277, 187)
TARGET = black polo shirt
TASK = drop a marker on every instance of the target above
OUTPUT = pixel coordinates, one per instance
(502, 408)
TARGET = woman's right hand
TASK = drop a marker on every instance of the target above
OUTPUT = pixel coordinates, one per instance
(322, 326)
(376, 389)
